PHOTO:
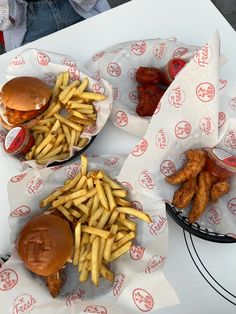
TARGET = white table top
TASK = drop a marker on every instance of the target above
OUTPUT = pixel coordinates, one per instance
(192, 22)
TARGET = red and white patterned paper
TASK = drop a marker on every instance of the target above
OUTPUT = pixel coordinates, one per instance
(46, 65)
(118, 65)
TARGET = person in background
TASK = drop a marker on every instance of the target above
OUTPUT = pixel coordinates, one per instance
(23, 21)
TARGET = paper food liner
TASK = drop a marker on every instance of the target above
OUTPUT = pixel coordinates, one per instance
(139, 284)
(118, 65)
(198, 110)
(46, 65)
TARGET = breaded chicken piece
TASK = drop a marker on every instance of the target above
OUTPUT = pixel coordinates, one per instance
(196, 160)
(183, 196)
(54, 283)
(205, 182)
(219, 189)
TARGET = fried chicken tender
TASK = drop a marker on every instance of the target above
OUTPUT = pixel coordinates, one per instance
(219, 189)
(54, 283)
(205, 182)
(196, 159)
(148, 99)
(184, 195)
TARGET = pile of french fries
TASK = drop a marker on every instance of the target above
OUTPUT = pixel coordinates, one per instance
(97, 208)
(60, 128)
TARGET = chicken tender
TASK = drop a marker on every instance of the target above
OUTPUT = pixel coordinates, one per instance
(54, 283)
(148, 75)
(205, 182)
(196, 160)
(184, 195)
(219, 189)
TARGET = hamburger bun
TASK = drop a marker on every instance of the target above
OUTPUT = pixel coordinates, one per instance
(45, 244)
(25, 93)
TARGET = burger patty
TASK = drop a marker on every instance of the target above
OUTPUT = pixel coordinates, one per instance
(17, 117)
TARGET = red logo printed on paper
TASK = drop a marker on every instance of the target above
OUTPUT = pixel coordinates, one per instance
(138, 48)
(136, 252)
(91, 129)
(68, 62)
(17, 62)
(133, 96)
(2, 136)
(203, 56)
(132, 74)
(97, 88)
(158, 225)
(121, 118)
(35, 185)
(115, 93)
(155, 262)
(112, 161)
(167, 167)
(127, 185)
(8, 279)
(98, 309)
(232, 206)
(75, 297)
(72, 170)
(118, 283)
(176, 97)
(98, 75)
(140, 148)
(161, 139)
(137, 205)
(114, 69)
(18, 178)
(49, 79)
(21, 211)
(159, 50)
(143, 300)
(222, 83)
(146, 179)
(43, 58)
(157, 108)
(214, 215)
(232, 103)
(97, 107)
(179, 52)
(207, 125)
(24, 303)
(74, 73)
(205, 91)
(221, 119)
(98, 55)
(230, 139)
(115, 51)
(183, 129)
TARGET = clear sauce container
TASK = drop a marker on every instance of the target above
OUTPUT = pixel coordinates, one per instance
(220, 163)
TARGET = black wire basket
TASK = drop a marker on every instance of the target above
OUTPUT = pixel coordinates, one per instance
(195, 229)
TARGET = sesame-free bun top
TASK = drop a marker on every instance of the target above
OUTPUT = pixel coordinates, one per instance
(25, 93)
(45, 244)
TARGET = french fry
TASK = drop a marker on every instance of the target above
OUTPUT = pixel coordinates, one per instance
(127, 223)
(82, 86)
(95, 216)
(55, 109)
(101, 194)
(67, 133)
(96, 231)
(91, 96)
(44, 143)
(45, 160)
(65, 78)
(84, 165)
(64, 94)
(77, 243)
(106, 273)
(101, 252)
(84, 198)
(128, 237)
(66, 213)
(67, 122)
(74, 212)
(119, 193)
(122, 250)
(109, 195)
(40, 128)
(109, 243)
(45, 150)
(70, 197)
(95, 270)
(83, 142)
(54, 152)
(120, 235)
(134, 212)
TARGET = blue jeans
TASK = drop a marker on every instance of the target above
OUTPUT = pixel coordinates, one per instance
(48, 16)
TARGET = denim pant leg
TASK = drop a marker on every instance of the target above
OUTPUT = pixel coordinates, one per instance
(48, 16)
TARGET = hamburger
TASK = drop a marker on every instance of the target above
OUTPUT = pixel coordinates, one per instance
(45, 245)
(23, 100)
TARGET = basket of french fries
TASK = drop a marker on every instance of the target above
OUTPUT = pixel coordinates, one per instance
(73, 112)
(116, 239)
